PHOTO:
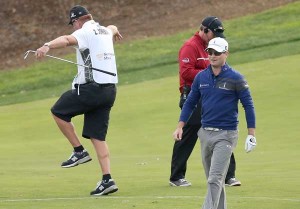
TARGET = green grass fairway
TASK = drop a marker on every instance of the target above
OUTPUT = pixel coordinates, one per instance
(142, 122)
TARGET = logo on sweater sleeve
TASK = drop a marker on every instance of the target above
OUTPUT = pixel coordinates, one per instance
(185, 60)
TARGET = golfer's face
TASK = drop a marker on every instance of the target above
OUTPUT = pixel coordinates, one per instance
(217, 59)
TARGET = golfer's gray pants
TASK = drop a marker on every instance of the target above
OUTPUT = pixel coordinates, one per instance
(216, 149)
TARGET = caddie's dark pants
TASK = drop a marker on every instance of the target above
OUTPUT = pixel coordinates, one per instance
(182, 149)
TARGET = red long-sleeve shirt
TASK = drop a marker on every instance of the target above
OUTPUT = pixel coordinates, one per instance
(191, 60)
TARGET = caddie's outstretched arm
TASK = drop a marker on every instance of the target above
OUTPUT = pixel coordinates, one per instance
(59, 42)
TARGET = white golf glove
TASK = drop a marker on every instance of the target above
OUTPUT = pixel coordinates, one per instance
(250, 143)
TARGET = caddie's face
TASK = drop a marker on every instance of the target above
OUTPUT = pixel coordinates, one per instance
(217, 59)
(210, 35)
(76, 24)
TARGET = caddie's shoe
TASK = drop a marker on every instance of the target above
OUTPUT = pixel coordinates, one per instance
(233, 182)
(77, 158)
(180, 183)
(105, 188)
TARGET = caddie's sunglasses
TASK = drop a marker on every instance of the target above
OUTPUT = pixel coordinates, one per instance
(211, 52)
(72, 22)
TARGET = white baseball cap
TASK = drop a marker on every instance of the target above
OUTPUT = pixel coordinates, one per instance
(218, 44)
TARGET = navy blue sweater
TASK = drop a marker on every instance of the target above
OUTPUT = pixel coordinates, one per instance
(220, 96)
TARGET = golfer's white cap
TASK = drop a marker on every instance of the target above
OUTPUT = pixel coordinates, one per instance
(218, 44)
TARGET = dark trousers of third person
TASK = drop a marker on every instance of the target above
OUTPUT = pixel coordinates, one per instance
(182, 149)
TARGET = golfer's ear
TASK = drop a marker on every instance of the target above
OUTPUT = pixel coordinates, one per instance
(227, 53)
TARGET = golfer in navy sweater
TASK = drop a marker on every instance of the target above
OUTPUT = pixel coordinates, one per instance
(221, 88)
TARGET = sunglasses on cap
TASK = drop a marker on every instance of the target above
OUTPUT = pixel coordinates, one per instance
(218, 30)
(211, 52)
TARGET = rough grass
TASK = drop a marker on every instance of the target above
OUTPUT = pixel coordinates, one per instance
(267, 35)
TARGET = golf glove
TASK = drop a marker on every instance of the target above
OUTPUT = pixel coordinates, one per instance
(250, 143)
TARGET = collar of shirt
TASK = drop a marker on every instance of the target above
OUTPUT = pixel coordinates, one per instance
(88, 23)
(223, 69)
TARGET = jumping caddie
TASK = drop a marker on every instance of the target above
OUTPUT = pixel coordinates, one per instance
(93, 93)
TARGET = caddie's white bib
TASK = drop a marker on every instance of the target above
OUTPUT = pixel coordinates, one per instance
(95, 49)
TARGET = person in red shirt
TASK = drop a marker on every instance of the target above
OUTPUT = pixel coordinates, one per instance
(193, 59)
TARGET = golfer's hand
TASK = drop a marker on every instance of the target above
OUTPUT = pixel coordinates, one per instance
(250, 143)
(41, 52)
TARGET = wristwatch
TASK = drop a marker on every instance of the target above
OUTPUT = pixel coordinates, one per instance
(47, 44)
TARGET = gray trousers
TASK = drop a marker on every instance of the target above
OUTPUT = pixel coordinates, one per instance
(216, 149)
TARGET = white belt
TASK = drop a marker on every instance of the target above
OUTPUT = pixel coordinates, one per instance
(212, 129)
